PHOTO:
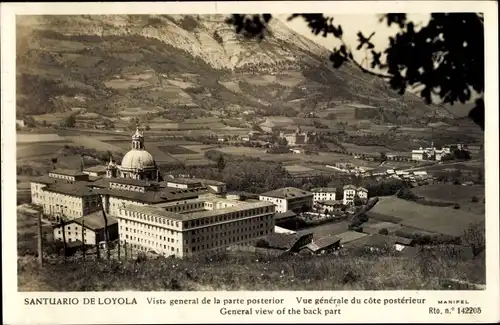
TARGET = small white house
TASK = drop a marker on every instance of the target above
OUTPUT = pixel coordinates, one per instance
(349, 194)
(324, 194)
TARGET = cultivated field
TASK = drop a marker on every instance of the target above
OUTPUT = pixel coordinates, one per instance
(176, 150)
(450, 192)
(443, 220)
(37, 137)
(26, 151)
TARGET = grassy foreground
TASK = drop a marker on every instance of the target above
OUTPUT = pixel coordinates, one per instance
(252, 271)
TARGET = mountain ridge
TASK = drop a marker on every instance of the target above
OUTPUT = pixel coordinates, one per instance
(115, 63)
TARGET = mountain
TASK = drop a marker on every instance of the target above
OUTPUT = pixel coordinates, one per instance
(164, 63)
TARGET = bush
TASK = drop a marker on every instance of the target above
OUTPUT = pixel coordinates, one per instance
(474, 199)
(384, 231)
(456, 206)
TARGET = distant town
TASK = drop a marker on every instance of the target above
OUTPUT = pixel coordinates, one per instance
(130, 208)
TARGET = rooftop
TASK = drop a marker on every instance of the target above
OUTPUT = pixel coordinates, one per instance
(349, 187)
(135, 182)
(283, 241)
(324, 189)
(287, 193)
(160, 212)
(153, 197)
(75, 189)
(67, 172)
(98, 168)
(209, 182)
(323, 242)
(95, 221)
(284, 215)
(186, 181)
(350, 236)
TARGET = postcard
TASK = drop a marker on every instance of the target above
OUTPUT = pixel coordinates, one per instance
(250, 162)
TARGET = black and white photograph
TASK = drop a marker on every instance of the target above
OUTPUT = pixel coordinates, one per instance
(251, 152)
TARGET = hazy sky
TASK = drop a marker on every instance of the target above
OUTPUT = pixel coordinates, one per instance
(351, 25)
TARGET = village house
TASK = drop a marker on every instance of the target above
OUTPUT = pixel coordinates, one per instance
(351, 191)
(289, 242)
(324, 245)
(324, 194)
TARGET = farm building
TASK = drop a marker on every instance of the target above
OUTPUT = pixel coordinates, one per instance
(289, 242)
(324, 245)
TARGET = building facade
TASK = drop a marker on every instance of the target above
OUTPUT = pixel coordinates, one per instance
(69, 201)
(324, 194)
(349, 194)
(289, 198)
(191, 226)
(88, 229)
(296, 138)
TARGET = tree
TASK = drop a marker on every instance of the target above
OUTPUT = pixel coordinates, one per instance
(357, 201)
(221, 163)
(383, 156)
(443, 58)
(474, 237)
(70, 121)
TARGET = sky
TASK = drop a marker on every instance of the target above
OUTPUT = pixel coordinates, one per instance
(351, 25)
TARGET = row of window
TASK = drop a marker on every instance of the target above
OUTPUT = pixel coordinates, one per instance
(233, 232)
(127, 187)
(143, 242)
(197, 222)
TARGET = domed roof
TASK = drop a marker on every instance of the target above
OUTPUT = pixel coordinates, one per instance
(135, 159)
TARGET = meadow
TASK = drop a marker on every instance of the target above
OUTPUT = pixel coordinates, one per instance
(442, 220)
(450, 193)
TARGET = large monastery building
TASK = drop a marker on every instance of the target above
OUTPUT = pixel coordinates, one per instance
(179, 216)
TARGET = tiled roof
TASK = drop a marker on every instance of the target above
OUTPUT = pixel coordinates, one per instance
(153, 197)
(282, 241)
(68, 172)
(75, 189)
(324, 189)
(136, 182)
(160, 212)
(98, 168)
(283, 215)
(95, 221)
(287, 193)
(350, 236)
(323, 242)
(186, 181)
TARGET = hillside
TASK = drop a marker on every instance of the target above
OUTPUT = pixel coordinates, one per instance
(159, 64)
